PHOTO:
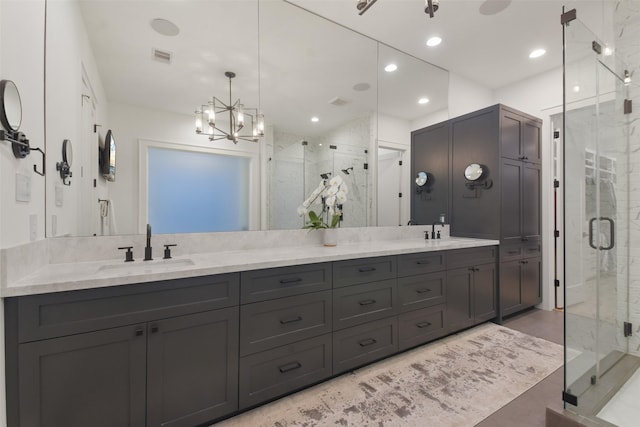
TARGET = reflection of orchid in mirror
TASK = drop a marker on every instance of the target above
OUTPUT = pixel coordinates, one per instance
(330, 195)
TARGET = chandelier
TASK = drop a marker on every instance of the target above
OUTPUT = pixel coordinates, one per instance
(241, 124)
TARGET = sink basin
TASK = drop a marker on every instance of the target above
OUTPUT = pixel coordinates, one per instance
(151, 266)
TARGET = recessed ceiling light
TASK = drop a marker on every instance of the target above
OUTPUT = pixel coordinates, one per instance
(390, 68)
(537, 53)
(492, 7)
(165, 27)
(434, 41)
(315, 119)
(423, 100)
(576, 88)
(608, 51)
(361, 87)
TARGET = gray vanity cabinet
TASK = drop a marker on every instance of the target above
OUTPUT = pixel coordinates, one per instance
(520, 136)
(520, 281)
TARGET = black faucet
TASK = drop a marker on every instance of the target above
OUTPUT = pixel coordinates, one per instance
(147, 249)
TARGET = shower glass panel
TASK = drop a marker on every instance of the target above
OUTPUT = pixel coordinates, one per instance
(596, 217)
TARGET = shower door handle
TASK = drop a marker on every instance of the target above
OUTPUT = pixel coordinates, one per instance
(612, 239)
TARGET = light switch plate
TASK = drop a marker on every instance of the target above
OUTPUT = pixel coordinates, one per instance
(33, 227)
(23, 188)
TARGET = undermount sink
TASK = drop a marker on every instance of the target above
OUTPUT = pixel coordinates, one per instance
(154, 265)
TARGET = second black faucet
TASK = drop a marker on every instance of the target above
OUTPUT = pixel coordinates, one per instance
(147, 249)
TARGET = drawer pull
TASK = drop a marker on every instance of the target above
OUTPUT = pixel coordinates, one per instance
(293, 280)
(366, 269)
(290, 320)
(513, 252)
(474, 269)
(524, 239)
(524, 262)
(139, 332)
(367, 342)
(423, 262)
(423, 290)
(423, 324)
(533, 249)
(289, 367)
(367, 302)
(154, 329)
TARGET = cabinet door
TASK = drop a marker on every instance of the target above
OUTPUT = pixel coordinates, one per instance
(530, 201)
(510, 136)
(531, 141)
(484, 292)
(531, 286)
(192, 368)
(511, 194)
(459, 299)
(430, 154)
(93, 379)
(510, 289)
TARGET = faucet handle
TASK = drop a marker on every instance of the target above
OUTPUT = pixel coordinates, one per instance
(426, 235)
(167, 250)
(128, 257)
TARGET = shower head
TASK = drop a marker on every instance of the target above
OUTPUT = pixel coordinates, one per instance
(325, 175)
(346, 171)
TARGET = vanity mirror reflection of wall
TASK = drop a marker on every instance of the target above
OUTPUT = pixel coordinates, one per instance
(291, 80)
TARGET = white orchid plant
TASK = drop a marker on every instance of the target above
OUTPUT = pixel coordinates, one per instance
(330, 195)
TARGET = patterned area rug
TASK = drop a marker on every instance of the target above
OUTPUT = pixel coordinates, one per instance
(456, 381)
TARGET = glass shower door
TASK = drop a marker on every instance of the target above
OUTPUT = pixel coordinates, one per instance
(596, 220)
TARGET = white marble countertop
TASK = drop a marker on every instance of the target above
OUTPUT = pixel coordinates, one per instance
(96, 274)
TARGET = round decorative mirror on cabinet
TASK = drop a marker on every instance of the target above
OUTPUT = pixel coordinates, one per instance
(422, 178)
(65, 165)
(10, 106)
(473, 172)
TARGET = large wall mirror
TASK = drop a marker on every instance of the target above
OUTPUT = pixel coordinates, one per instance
(140, 69)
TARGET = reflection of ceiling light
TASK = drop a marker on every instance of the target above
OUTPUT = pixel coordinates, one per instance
(315, 119)
(492, 7)
(576, 88)
(434, 41)
(537, 53)
(238, 117)
(423, 100)
(391, 68)
(627, 77)
(361, 87)
(164, 27)
(608, 51)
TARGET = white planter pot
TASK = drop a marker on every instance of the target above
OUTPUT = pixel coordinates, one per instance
(330, 237)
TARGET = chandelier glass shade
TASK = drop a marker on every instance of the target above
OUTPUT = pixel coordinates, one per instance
(241, 123)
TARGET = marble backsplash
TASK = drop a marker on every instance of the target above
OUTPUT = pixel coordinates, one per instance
(20, 261)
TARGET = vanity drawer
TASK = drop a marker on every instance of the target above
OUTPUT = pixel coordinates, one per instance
(262, 285)
(353, 272)
(532, 247)
(359, 345)
(421, 291)
(269, 324)
(420, 326)
(273, 373)
(421, 263)
(363, 303)
(66, 313)
(471, 256)
(511, 249)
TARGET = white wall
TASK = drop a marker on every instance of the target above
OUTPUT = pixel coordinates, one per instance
(466, 96)
(21, 49)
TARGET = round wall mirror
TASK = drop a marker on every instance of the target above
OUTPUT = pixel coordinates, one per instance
(10, 106)
(473, 172)
(67, 152)
(421, 178)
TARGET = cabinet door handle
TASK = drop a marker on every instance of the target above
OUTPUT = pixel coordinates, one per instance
(139, 332)
(423, 324)
(366, 269)
(289, 367)
(524, 239)
(154, 329)
(290, 320)
(524, 262)
(292, 280)
(423, 262)
(367, 302)
(513, 252)
(367, 342)
(423, 290)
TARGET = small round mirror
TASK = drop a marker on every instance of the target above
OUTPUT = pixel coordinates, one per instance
(473, 172)
(10, 106)
(67, 152)
(421, 178)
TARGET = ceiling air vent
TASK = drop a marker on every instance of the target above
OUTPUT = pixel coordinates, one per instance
(162, 56)
(338, 102)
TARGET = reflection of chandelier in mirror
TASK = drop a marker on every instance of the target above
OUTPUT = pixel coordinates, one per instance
(430, 6)
(239, 119)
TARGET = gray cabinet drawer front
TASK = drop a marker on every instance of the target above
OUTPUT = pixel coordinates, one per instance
(421, 291)
(420, 326)
(273, 373)
(65, 313)
(364, 270)
(511, 249)
(362, 344)
(471, 256)
(363, 303)
(427, 262)
(532, 247)
(270, 324)
(262, 285)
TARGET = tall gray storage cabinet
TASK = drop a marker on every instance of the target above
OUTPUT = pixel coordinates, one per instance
(504, 205)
